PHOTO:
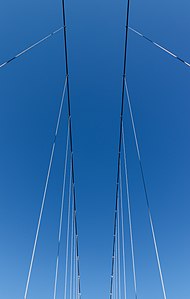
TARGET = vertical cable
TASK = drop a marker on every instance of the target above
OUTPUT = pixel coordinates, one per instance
(71, 141)
(67, 235)
(61, 217)
(123, 238)
(72, 255)
(115, 275)
(146, 193)
(129, 214)
(119, 147)
(44, 193)
(118, 250)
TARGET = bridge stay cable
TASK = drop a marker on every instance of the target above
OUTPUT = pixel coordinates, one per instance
(71, 147)
(61, 217)
(119, 151)
(129, 212)
(122, 236)
(146, 192)
(30, 47)
(69, 140)
(160, 47)
(44, 193)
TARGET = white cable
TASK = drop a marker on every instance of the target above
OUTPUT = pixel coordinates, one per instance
(118, 245)
(161, 47)
(44, 195)
(76, 262)
(123, 238)
(129, 213)
(116, 269)
(147, 201)
(68, 227)
(61, 215)
(72, 255)
(30, 47)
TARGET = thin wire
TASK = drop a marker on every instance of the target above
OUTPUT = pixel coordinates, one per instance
(119, 147)
(74, 263)
(123, 238)
(72, 254)
(68, 228)
(146, 193)
(161, 47)
(44, 193)
(119, 261)
(129, 214)
(71, 141)
(30, 47)
(116, 269)
(61, 216)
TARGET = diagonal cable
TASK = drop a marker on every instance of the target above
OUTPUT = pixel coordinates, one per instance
(44, 193)
(160, 47)
(30, 47)
(67, 235)
(146, 193)
(123, 238)
(129, 214)
(118, 250)
(61, 217)
(72, 255)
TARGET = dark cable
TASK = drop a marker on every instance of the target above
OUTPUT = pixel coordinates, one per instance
(119, 150)
(71, 142)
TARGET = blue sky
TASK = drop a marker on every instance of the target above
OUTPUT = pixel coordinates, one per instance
(30, 95)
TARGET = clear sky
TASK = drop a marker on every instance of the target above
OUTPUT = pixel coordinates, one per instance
(30, 94)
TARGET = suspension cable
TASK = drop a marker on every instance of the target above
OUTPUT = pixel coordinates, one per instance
(159, 46)
(119, 149)
(71, 255)
(30, 47)
(123, 238)
(67, 236)
(44, 193)
(146, 193)
(118, 252)
(61, 216)
(71, 143)
(129, 214)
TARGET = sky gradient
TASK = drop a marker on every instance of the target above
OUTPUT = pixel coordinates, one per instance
(30, 94)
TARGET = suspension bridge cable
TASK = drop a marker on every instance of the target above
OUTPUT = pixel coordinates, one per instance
(115, 271)
(120, 139)
(72, 254)
(30, 47)
(160, 47)
(123, 237)
(129, 214)
(146, 193)
(44, 193)
(67, 236)
(61, 216)
(118, 250)
(71, 141)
